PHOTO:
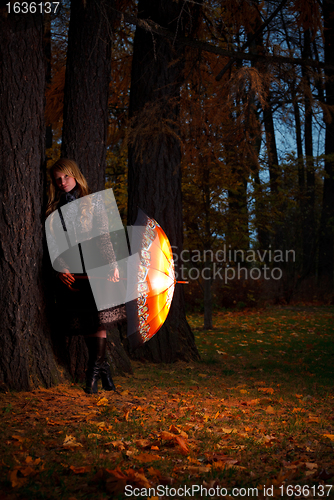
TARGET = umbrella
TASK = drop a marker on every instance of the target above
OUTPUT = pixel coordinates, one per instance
(151, 278)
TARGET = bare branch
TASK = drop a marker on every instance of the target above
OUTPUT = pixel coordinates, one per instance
(152, 27)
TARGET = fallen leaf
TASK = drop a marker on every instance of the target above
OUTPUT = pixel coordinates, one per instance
(126, 415)
(270, 410)
(80, 470)
(267, 390)
(253, 402)
(119, 445)
(30, 460)
(289, 466)
(18, 438)
(27, 471)
(311, 465)
(71, 442)
(193, 469)
(167, 436)
(56, 422)
(127, 477)
(147, 457)
(102, 402)
(16, 481)
(329, 436)
(268, 440)
(229, 430)
(143, 443)
(181, 442)
(212, 457)
(226, 464)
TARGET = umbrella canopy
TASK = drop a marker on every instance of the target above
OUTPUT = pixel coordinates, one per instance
(152, 280)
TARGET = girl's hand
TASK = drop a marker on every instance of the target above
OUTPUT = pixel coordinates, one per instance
(67, 278)
(115, 277)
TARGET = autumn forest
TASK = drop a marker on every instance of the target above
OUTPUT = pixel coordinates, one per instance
(226, 107)
(242, 98)
(216, 119)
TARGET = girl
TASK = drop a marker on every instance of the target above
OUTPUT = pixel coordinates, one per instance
(75, 300)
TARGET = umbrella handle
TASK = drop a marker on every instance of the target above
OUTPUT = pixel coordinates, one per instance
(120, 279)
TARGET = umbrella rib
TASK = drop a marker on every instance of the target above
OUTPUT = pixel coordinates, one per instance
(162, 251)
(160, 291)
(160, 271)
(153, 318)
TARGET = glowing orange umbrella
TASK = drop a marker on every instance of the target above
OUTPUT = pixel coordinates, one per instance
(154, 280)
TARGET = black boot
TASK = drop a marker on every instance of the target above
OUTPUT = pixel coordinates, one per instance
(97, 366)
(107, 382)
(96, 352)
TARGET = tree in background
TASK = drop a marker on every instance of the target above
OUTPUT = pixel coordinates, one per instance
(326, 237)
(154, 176)
(85, 114)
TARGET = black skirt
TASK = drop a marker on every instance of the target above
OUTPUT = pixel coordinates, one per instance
(77, 311)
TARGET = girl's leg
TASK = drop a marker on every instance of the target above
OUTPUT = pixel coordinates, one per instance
(101, 333)
(98, 367)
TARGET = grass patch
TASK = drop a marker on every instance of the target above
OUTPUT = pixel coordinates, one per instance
(255, 412)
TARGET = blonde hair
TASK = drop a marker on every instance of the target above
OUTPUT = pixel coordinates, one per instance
(69, 167)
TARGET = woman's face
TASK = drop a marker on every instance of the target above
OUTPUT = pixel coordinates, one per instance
(64, 182)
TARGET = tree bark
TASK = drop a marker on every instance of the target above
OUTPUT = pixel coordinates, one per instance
(237, 231)
(48, 72)
(207, 243)
(208, 304)
(326, 236)
(309, 207)
(26, 357)
(87, 88)
(154, 179)
(268, 120)
(256, 45)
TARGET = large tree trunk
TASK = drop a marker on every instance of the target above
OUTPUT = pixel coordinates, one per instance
(326, 236)
(86, 89)
(309, 207)
(86, 121)
(260, 203)
(26, 357)
(154, 158)
(268, 120)
(207, 243)
(48, 72)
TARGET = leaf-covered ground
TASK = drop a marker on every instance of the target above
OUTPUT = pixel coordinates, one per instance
(253, 418)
